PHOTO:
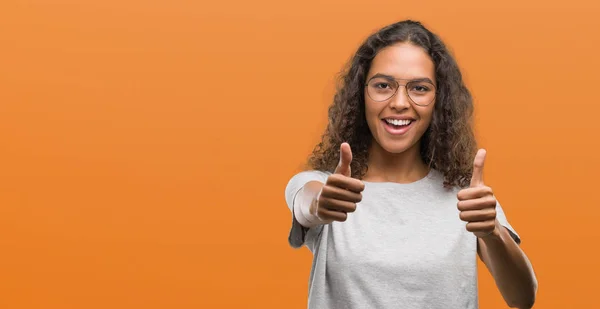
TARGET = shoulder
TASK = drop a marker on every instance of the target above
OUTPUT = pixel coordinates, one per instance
(436, 180)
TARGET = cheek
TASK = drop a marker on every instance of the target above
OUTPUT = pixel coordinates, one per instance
(427, 115)
(371, 111)
(372, 116)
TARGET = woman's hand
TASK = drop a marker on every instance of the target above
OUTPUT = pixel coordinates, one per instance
(477, 203)
(341, 192)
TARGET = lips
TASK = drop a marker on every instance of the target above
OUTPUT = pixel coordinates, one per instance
(397, 126)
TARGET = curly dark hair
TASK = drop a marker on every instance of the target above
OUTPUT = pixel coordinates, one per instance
(448, 145)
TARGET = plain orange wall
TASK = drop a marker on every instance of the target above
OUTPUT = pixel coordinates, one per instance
(145, 145)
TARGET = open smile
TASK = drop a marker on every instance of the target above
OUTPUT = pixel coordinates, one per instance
(397, 126)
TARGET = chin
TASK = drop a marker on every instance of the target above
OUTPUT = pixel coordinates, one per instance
(395, 147)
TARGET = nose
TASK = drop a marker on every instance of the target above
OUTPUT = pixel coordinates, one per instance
(400, 100)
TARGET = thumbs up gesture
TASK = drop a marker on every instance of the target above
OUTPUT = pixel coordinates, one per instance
(341, 192)
(477, 204)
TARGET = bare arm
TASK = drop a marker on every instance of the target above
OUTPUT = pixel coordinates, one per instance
(502, 256)
(509, 266)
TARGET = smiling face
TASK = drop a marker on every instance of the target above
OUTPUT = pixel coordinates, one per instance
(397, 123)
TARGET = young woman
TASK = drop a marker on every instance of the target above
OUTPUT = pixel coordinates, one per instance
(393, 206)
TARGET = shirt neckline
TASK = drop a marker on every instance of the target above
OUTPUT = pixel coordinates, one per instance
(431, 174)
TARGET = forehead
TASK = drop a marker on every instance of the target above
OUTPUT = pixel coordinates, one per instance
(403, 61)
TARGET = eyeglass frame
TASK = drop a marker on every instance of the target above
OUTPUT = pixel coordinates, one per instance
(390, 78)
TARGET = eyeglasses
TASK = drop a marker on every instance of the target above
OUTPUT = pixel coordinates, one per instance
(381, 88)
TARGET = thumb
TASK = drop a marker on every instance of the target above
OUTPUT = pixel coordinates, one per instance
(477, 178)
(345, 159)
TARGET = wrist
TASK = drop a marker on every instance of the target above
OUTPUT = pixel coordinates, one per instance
(495, 235)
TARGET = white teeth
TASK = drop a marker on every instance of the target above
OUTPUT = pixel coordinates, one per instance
(397, 122)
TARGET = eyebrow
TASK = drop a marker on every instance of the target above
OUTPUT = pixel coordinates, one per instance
(389, 77)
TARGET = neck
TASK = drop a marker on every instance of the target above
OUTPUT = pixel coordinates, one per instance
(405, 167)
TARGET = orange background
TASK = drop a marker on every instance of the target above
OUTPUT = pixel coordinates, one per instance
(145, 145)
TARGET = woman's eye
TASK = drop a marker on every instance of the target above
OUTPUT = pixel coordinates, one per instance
(382, 85)
(420, 88)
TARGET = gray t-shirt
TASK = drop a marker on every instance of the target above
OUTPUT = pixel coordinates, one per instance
(404, 247)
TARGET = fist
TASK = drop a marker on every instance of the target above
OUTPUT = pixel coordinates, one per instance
(477, 204)
(341, 192)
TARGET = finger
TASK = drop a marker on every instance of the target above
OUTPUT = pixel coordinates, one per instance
(336, 205)
(474, 193)
(345, 160)
(482, 226)
(476, 204)
(341, 194)
(477, 177)
(341, 181)
(478, 215)
(331, 215)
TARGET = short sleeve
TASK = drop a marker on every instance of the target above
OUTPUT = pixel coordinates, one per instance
(299, 235)
(501, 216)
